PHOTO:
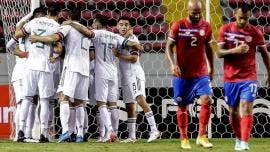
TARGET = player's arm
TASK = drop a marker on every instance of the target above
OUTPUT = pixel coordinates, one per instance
(58, 47)
(133, 45)
(133, 57)
(223, 52)
(46, 39)
(170, 56)
(266, 60)
(20, 53)
(85, 31)
(11, 44)
(19, 26)
(210, 58)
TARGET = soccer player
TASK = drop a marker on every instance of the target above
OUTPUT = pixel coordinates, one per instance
(75, 75)
(133, 83)
(192, 37)
(39, 76)
(21, 52)
(237, 43)
(105, 69)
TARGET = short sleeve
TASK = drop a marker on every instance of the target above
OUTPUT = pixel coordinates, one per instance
(259, 38)
(174, 31)
(27, 28)
(221, 36)
(63, 31)
(209, 34)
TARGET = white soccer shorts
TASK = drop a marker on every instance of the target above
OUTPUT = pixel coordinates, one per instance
(74, 85)
(38, 81)
(106, 90)
(132, 90)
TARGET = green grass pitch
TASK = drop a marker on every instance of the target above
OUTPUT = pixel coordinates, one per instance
(161, 145)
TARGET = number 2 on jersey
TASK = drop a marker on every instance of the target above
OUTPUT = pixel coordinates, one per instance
(109, 47)
(40, 44)
(193, 41)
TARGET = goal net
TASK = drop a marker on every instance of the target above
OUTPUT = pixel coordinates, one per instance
(153, 18)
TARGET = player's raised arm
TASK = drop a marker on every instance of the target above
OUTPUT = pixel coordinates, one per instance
(266, 60)
(85, 31)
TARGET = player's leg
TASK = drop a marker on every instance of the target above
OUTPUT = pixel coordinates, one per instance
(141, 100)
(101, 95)
(202, 85)
(80, 114)
(247, 96)
(129, 92)
(31, 118)
(85, 124)
(72, 122)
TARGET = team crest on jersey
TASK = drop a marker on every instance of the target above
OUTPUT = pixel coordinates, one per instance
(202, 32)
(248, 38)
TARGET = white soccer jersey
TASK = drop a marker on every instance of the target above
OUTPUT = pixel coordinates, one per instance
(105, 65)
(129, 71)
(19, 68)
(39, 53)
(77, 50)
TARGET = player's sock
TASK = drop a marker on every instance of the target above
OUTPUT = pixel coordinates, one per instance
(30, 120)
(85, 122)
(64, 115)
(132, 128)
(80, 120)
(236, 126)
(24, 113)
(114, 118)
(72, 120)
(182, 121)
(51, 113)
(44, 117)
(151, 120)
(204, 117)
(17, 119)
(104, 114)
(100, 124)
(246, 127)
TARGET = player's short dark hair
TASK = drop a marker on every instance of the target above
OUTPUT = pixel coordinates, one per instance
(41, 9)
(244, 7)
(75, 14)
(103, 20)
(54, 10)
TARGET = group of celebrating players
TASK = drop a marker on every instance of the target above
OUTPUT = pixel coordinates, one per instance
(79, 65)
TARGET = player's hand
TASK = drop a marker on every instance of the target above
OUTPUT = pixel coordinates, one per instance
(129, 33)
(33, 38)
(175, 70)
(141, 48)
(115, 52)
(242, 48)
(67, 22)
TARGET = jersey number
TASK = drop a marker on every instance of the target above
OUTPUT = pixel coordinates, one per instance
(109, 47)
(193, 41)
(82, 44)
(40, 44)
(253, 89)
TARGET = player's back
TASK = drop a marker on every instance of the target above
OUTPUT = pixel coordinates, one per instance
(77, 50)
(105, 60)
(39, 53)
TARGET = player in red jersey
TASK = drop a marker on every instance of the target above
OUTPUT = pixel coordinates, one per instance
(192, 37)
(238, 42)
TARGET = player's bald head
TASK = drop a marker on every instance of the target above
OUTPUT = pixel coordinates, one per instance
(194, 8)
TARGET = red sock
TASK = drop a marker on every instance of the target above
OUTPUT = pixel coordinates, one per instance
(182, 121)
(236, 126)
(204, 117)
(246, 127)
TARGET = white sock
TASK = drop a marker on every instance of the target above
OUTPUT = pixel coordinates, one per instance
(80, 120)
(114, 118)
(100, 124)
(30, 120)
(85, 124)
(132, 127)
(72, 120)
(104, 114)
(24, 112)
(64, 115)
(17, 119)
(51, 113)
(44, 116)
(151, 120)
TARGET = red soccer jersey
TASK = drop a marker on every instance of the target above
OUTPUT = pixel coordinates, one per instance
(241, 67)
(190, 42)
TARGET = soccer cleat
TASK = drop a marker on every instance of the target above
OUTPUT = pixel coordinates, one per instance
(79, 139)
(113, 137)
(43, 139)
(204, 142)
(72, 137)
(129, 140)
(243, 146)
(99, 140)
(153, 136)
(85, 138)
(63, 137)
(185, 144)
(31, 140)
(237, 146)
(20, 136)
